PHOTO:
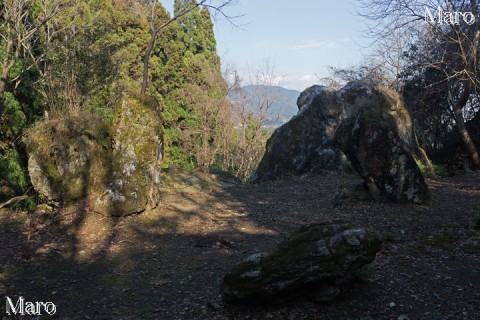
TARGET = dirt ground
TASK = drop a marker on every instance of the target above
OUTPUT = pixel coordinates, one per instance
(168, 263)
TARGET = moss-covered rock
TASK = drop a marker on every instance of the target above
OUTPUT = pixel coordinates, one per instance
(318, 259)
(304, 144)
(378, 138)
(68, 157)
(116, 168)
(137, 156)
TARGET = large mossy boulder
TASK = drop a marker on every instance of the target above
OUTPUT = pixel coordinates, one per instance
(69, 157)
(318, 259)
(137, 155)
(116, 167)
(379, 139)
(304, 144)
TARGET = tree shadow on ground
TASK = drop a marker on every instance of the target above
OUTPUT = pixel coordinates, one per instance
(94, 266)
(168, 263)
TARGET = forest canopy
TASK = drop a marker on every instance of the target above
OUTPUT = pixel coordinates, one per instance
(63, 58)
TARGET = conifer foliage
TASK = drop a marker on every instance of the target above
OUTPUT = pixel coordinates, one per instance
(190, 80)
(80, 56)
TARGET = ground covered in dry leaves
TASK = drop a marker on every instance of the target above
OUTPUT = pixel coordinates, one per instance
(169, 263)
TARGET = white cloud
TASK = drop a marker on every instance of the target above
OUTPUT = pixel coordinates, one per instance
(306, 44)
(300, 83)
(329, 43)
(308, 77)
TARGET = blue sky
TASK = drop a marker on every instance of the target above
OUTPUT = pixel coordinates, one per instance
(301, 38)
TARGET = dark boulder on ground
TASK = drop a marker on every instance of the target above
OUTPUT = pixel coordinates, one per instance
(319, 259)
(379, 140)
(305, 143)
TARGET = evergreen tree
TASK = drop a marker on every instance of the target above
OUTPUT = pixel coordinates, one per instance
(194, 92)
(19, 105)
(90, 51)
(210, 44)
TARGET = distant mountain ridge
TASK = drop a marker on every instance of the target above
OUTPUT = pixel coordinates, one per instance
(284, 100)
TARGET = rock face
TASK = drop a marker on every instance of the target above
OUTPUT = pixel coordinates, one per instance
(370, 125)
(379, 140)
(136, 158)
(305, 143)
(117, 168)
(68, 158)
(319, 259)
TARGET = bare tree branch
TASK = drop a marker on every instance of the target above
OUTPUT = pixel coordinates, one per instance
(18, 32)
(457, 44)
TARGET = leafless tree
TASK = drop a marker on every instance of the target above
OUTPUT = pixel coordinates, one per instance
(459, 40)
(250, 112)
(19, 34)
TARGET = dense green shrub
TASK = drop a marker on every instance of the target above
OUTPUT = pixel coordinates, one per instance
(13, 175)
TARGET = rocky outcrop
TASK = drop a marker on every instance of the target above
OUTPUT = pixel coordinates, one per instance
(319, 259)
(305, 143)
(137, 154)
(379, 140)
(370, 125)
(116, 168)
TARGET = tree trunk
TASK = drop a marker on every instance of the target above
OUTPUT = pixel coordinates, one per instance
(155, 32)
(462, 128)
(3, 80)
(146, 62)
(3, 84)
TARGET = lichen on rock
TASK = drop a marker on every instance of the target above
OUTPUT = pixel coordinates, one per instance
(318, 258)
(116, 168)
(378, 138)
(137, 154)
(361, 124)
(68, 156)
(304, 144)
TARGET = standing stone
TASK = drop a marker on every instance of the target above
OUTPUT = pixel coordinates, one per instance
(116, 169)
(369, 125)
(68, 157)
(136, 158)
(379, 139)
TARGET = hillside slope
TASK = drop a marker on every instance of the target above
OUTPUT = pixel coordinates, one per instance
(283, 107)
